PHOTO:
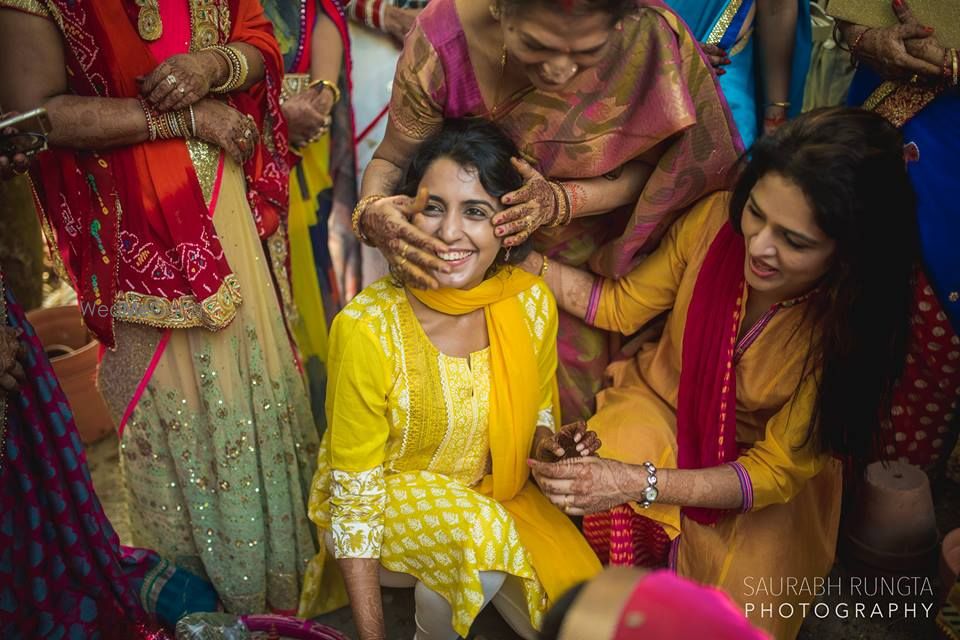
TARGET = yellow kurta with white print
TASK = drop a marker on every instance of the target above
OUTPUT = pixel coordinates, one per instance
(407, 439)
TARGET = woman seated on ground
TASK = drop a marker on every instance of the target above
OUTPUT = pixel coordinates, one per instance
(788, 313)
(435, 402)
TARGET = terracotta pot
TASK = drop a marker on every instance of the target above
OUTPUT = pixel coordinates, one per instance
(61, 329)
(893, 527)
(950, 560)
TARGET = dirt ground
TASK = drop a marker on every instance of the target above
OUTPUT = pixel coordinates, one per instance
(398, 603)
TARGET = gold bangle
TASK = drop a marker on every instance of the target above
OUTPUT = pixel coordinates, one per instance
(783, 104)
(955, 63)
(151, 121)
(544, 267)
(326, 84)
(358, 212)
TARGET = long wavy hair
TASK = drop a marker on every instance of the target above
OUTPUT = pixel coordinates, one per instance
(850, 165)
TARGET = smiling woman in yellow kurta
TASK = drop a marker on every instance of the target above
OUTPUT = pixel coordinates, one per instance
(423, 469)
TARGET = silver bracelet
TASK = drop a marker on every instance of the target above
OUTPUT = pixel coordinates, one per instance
(650, 492)
(193, 122)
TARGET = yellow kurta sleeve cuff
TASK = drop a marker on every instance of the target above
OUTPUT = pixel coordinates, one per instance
(357, 503)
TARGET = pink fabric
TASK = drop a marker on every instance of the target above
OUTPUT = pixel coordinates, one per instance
(144, 381)
(175, 38)
(668, 607)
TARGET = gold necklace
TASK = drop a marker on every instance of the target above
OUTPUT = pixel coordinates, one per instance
(148, 20)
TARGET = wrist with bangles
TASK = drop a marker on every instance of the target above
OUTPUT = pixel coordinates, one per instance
(320, 85)
(358, 212)
(238, 68)
(563, 211)
(172, 124)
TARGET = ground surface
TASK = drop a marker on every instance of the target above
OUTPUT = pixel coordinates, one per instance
(398, 603)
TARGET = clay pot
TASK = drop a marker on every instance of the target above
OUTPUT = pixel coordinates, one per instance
(950, 560)
(74, 355)
(893, 527)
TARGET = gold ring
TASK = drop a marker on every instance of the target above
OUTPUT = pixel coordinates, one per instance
(182, 89)
(567, 503)
(914, 79)
(403, 252)
(247, 133)
(403, 261)
(20, 171)
(171, 79)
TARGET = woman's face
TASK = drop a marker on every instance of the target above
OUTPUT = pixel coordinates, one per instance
(553, 46)
(459, 212)
(787, 253)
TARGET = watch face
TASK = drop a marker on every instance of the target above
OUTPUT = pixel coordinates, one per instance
(650, 494)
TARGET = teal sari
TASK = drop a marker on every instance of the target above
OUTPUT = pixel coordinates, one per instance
(719, 22)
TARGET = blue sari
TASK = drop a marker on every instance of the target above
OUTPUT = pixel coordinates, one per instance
(935, 130)
(719, 22)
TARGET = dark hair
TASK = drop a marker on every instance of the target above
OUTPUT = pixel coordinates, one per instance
(618, 9)
(481, 146)
(849, 163)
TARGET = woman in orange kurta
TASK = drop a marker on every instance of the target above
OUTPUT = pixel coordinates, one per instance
(722, 432)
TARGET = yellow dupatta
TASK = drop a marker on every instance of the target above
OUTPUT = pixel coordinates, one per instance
(560, 554)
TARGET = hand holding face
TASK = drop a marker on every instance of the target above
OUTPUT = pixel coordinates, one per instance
(584, 485)
(570, 441)
(530, 207)
(413, 253)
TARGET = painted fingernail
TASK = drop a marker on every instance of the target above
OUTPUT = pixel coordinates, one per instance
(720, 72)
(898, 3)
(726, 61)
(928, 29)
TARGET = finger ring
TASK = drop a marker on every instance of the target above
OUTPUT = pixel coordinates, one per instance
(914, 79)
(403, 261)
(403, 252)
(568, 501)
(247, 133)
(182, 89)
(20, 171)
(171, 79)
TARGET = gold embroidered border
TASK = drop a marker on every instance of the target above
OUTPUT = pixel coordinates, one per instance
(898, 103)
(740, 44)
(214, 313)
(206, 161)
(278, 247)
(294, 83)
(209, 19)
(723, 23)
(35, 7)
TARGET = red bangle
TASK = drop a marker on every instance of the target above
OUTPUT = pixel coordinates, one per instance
(856, 42)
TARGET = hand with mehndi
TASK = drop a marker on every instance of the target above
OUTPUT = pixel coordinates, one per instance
(308, 117)
(898, 51)
(220, 124)
(11, 352)
(718, 57)
(530, 207)
(584, 485)
(180, 80)
(570, 441)
(413, 254)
